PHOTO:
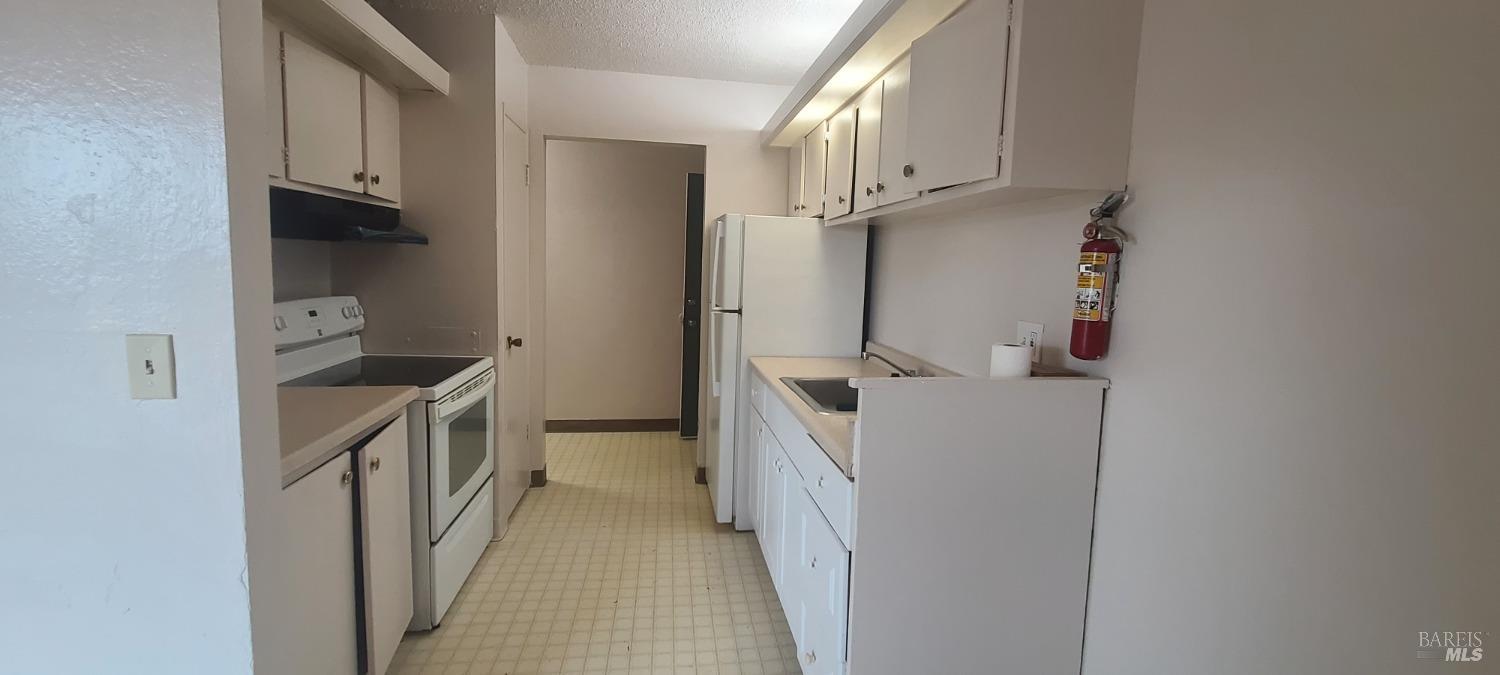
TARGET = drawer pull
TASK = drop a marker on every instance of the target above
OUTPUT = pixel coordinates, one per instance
(811, 657)
(815, 562)
(820, 481)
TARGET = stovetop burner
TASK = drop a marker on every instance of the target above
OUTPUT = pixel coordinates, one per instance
(388, 369)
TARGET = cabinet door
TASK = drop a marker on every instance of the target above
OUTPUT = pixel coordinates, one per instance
(275, 122)
(794, 179)
(775, 506)
(324, 135)
(317, 625)
(386, 496)
(840, 164)
(891, 186)
(382, 140)
(814, 161)
(867, 148)
(823, 577)
(958, 97)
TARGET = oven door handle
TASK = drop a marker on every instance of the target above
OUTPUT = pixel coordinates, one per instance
(482, 387)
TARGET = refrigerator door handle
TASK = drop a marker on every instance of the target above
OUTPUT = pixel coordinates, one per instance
(715, 279)
(713, 352)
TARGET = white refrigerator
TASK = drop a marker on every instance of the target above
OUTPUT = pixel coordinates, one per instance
(777, 287)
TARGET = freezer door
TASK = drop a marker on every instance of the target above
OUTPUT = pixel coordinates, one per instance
(723, 391)
(728, 257)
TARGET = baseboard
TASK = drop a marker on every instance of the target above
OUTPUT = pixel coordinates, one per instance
(539, 477)
(597, 426)
(701, 477)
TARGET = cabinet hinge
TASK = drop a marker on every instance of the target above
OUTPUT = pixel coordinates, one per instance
(1000, 146)
(528, 175)
(281, 54)
(1010, 12)
(286, 155)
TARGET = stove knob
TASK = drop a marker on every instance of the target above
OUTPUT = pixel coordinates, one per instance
(279, 323)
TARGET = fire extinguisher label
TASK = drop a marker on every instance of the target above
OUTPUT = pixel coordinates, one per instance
(1095, 297)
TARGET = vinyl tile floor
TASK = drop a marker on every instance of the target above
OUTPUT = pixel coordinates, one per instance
(616, 566)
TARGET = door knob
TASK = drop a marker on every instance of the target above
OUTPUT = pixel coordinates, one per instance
(512, 342)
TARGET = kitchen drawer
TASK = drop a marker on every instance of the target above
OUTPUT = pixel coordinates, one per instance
(830, 488)
(758, 389)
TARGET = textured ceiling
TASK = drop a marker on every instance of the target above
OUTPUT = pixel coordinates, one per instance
(767, 41)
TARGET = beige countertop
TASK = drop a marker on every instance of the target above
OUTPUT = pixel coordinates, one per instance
(320, 422)
(835, 433)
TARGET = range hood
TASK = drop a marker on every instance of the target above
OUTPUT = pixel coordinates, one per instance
(304, 215)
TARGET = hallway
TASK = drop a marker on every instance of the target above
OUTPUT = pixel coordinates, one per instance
(615, 567)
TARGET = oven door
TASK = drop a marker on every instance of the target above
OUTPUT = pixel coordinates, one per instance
(461, 438)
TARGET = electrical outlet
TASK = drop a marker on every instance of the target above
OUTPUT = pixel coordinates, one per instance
(1030, 334)
(153, 366)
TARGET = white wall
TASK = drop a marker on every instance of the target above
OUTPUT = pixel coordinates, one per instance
(1298, 472)
(615, 239)
(125, 522)
(740, 176)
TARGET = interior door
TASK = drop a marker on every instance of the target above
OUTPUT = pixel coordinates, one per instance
(324, 120)
(840, 180)
(692, 307)
(867, 148)
(962, 59)
(513, 460)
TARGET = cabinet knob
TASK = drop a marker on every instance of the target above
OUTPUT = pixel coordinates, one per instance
(811, 657)
(513, 342)
(869, 192)
(347, 478)
(841, 199)
(359, 176)
(375, 178)
(815, 562)
(820, 481)
(879, 186)
(374, 464)
(908, 170)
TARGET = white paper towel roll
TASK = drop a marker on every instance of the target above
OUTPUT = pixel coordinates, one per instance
(1010, 360)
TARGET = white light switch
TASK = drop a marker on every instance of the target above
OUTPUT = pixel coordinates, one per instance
(153, 368)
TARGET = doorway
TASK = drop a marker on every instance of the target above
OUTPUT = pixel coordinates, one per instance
(692, 306)
(616, 261)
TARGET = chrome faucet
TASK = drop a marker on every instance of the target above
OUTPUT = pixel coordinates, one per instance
(900, 372)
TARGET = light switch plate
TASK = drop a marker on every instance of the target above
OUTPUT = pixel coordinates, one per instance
(153, 366)
(1030, 334)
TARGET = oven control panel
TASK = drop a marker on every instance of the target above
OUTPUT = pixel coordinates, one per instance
(315, 319)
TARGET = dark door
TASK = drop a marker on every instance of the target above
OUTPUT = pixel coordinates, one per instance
(692, 306)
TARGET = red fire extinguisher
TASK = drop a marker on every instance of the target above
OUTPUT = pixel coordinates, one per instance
(1098, 274)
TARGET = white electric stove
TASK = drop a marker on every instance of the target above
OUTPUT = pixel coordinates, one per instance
(452, 436)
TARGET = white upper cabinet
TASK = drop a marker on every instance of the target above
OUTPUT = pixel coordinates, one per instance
(794, 179)
(324, 120)
(814, 163)
(840, 190)
(382, 140)
(867, 149)
(275, 122)
(890, 185)
(958, 97)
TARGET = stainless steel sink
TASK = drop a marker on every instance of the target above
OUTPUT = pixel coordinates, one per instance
(825, 395)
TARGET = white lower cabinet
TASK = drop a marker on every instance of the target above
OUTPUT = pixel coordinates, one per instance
(317, 622)
(807, 559)
(386, 504)
(822, 589)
